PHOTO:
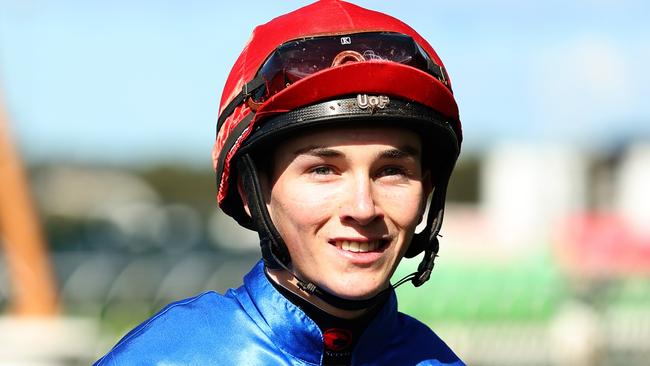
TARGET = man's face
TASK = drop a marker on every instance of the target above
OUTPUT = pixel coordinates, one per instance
(346, 202)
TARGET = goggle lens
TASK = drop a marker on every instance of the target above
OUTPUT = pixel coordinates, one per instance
(300, 58)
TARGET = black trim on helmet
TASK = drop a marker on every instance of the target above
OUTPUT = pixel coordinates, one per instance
(344, 111)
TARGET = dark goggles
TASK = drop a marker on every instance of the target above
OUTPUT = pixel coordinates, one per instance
(297, 59)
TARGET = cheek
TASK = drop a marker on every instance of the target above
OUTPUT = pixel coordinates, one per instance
(405, 207)
(301, 206)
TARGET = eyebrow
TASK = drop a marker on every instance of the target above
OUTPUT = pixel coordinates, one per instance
(318, 151)
(403, 152)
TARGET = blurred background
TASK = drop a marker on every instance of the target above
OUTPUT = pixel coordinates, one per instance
(107, 199)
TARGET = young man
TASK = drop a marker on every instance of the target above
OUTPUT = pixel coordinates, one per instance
(337, 124)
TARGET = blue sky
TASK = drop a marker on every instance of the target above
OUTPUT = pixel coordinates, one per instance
(140, 81)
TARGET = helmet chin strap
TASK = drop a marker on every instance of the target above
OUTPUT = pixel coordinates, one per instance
(277, 256)
(336, 301)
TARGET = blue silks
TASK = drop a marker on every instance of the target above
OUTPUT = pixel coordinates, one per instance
(255, 325)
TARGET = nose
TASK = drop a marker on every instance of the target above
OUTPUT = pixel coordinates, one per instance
(360, 206)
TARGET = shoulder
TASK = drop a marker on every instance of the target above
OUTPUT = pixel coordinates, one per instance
(181, 328)
(403, 340)
(420, 341)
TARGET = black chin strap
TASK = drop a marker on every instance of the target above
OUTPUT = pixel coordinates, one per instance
(336, 301)
(274, 251)
(276, 254)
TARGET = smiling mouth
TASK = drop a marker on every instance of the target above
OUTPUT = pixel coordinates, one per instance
(361, 246)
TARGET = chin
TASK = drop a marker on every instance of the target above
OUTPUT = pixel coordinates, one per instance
(357, 290)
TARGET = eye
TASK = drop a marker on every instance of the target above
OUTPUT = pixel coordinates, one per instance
(392, 171)
(322, 170)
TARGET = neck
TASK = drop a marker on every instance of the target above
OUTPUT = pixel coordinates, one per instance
(289, 282)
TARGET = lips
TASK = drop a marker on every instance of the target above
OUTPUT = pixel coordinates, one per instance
(359, 246)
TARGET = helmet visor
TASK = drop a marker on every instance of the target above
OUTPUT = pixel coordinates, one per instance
(300, 58)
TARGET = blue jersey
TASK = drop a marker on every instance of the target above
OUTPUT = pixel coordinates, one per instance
(255, 325)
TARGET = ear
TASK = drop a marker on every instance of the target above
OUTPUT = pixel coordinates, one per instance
(242, 195)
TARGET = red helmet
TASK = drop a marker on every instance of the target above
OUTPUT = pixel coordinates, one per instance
(333, 62)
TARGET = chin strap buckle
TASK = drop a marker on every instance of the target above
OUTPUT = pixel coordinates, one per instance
(422, 278)
(307, 287)
(424, 269)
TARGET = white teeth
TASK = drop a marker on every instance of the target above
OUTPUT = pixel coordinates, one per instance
(358, 247)
(363, 247)
(373, 245)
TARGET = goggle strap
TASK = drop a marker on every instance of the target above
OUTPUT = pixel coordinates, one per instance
(438, 71)
(248, 89)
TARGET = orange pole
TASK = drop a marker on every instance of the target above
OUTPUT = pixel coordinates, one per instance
(32, 282)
